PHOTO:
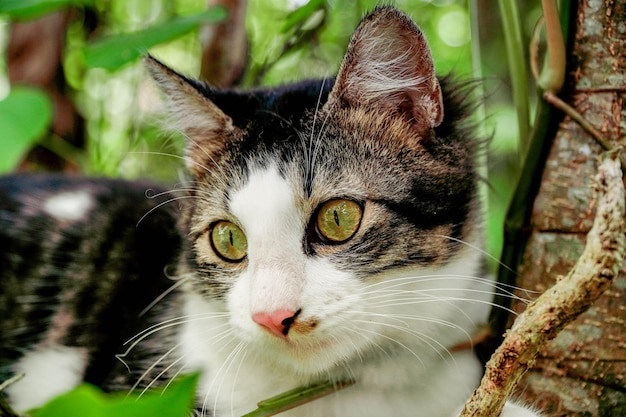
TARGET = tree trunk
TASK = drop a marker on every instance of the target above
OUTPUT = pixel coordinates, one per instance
(225, 46)
(583, 371)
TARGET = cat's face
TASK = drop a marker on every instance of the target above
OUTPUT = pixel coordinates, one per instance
(327, 224)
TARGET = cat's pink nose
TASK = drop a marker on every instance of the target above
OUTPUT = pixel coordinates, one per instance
(277, 322)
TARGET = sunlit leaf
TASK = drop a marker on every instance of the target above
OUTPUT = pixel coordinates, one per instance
(25, 114)
(30, 9)
(87, 401)
(301, 14)
(113, 52)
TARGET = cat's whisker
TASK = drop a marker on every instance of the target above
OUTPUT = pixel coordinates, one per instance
(179, 282)
(351, 329)
(317, 142)
(500, 288)
(391, 339)
(310, 151)
(156, 153)
(171, 200)
(348, 326)
(221, 374)
(429, 341)
(151, 368)
(232, 390)
(424, 293)
(356, 331)
(402, 318)
(478, 249)
(432, 343)
(441, 322)
(183, 188)
(175, 362)
(400, 298)
(436, 277)
(412, 301)
(177, 321)
(304, 142)
(426, 296)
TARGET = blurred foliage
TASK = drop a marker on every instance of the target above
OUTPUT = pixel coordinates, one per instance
(88, 401)
(113, 52)
(114, 103)
(31, 9)
(25, 114)
(318, 53)
(289, 40)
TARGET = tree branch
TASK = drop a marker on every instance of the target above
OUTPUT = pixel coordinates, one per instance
(599, 263)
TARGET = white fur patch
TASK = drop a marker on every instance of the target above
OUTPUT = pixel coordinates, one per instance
(49, 372)
(71, 205)
(274, 228)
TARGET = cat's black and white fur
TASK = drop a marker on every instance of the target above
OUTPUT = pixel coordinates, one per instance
(329, 231)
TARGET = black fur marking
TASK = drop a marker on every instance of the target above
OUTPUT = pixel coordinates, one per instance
(110, 279)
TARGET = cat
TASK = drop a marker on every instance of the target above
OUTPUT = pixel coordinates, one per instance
(329, 231)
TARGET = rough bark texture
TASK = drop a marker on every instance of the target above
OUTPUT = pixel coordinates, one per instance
(583, 371)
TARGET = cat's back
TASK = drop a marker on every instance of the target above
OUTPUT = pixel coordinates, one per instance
(81, 258)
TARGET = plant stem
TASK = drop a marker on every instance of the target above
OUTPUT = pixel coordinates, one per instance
(296, 397)
(517, 71)
(553, 75)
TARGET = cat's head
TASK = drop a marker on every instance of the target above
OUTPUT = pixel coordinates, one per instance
(322, 212)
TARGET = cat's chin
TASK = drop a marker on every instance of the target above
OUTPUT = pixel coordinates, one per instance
(304, 356)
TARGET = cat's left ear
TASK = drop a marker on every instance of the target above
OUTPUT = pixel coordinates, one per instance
(207, 127)
(388, 66)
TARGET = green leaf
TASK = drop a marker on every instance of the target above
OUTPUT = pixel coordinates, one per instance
(84, 401)
(87, 401)
(25, 114)
(301, 14)
(113, 52)
(30, 9)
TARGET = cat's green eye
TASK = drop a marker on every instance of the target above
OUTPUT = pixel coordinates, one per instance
(229, 241)
(338, 220)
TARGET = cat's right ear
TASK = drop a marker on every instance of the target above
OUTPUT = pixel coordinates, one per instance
(388, 67)
(207, 128)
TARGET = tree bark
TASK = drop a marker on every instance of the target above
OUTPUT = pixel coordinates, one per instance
(583, 371)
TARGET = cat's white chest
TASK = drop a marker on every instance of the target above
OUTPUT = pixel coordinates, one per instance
(398, 387)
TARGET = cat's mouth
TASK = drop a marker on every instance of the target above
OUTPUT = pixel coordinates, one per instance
(306, 356)
(307, 347)
(304, 327)
(297, 335)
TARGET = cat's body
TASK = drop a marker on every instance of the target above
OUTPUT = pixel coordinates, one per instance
(330, 231)
(78, 268)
